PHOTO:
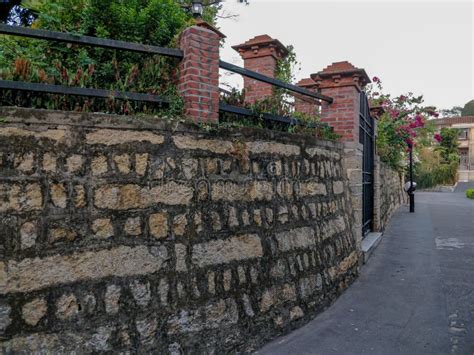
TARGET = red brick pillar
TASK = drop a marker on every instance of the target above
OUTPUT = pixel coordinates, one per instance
(260, 54)
(305, 104)
(199, 72)
(343, 82)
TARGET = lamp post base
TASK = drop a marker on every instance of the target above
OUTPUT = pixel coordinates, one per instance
(412, 203)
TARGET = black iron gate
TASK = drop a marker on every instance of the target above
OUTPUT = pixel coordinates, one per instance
(366, 138)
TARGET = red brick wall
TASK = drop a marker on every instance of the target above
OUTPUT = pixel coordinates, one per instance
(256, 90)
(199, 74)
(343, 113)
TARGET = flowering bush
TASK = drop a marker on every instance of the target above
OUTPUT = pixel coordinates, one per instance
(403, 126)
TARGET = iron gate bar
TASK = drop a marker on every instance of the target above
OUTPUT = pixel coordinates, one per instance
(266, 116)
(366, 138)
(88, 40)
(272, 81)
(69, 90)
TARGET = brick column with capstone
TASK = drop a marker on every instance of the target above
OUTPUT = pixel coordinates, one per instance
(260, 54)
(199, 72)
(343, 82)
(305, 104)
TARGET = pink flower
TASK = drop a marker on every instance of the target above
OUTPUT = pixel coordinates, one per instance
(438, 137)
(376, 79)
(376, 94)
(402, 98)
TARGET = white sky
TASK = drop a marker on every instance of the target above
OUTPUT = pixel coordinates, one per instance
(421, 46)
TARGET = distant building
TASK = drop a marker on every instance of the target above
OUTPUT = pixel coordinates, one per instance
(465, 125)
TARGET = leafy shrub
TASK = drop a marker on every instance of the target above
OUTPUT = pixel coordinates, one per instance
(155, 22)
(470, 193)
(430, 171)
(468, 109)
(448, 145)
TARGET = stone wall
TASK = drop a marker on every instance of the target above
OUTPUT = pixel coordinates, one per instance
(128, 234)
(389, 193)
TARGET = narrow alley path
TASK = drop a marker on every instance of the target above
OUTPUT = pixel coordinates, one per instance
(414, 296)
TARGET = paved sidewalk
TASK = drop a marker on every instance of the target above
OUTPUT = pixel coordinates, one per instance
(415, 295)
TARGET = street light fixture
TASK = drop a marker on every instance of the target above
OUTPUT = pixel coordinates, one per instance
(197, 8)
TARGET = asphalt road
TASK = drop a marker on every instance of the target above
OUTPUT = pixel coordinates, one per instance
(461, 187)
(414, 296)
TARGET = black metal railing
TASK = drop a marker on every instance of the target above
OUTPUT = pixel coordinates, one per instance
(301, 92)
(87, 41)
(275, 82)
(146, 49)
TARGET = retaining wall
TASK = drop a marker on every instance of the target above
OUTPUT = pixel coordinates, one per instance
(389, 193)
(128, 234)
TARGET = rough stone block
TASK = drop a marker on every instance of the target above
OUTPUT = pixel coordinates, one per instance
(74, 163)
(49, 163)
(224, 251)
(211, 145)
(58, 195)
(99, 165)
(158, 224)
(338, 187)
(28, 235)
(20, 198)
(180, 251)
(119, 136)
(66, 306)
(56, 135)
(128, 196)
(102, 228)
(141, 163)
(298, 238)
(32, 274)
(261, 147)
(311, 188)
(133, 226)
(123, 163)
(34, 310)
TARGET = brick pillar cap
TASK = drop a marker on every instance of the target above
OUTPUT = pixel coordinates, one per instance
(208, 26)
(261, 46)
(306, 83)
(338, 73)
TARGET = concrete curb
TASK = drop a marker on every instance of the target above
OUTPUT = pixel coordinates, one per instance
(369, 243)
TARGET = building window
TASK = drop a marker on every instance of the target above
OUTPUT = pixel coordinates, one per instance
(463, 160)
(463, 133)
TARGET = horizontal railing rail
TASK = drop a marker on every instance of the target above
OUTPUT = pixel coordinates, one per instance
(242, 111)
(88, 40)
(77, 91)
(275, 82)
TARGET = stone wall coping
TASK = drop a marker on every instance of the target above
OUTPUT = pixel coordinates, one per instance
(353, 145)
(29, 116)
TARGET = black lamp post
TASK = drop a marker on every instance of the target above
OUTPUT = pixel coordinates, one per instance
(411, 191)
